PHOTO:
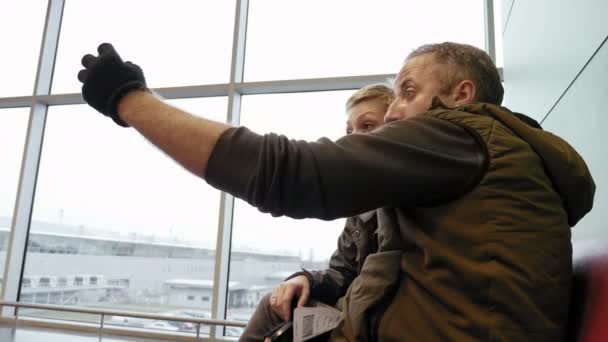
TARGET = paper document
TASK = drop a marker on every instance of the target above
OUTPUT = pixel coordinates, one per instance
(312, 321)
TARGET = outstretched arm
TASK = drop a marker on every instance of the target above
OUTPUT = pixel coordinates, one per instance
(188, 139)
(419, 161)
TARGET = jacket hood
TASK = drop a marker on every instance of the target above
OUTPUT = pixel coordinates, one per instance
(564, 166)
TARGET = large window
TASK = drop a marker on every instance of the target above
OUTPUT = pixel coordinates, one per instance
(21, 26)
(13, 125)
(320, 38)
(116, 224)
(182, 42)
(265, 249)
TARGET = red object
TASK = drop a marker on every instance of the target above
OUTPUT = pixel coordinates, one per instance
(595, 320)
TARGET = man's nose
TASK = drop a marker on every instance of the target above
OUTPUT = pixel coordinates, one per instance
(392, 114)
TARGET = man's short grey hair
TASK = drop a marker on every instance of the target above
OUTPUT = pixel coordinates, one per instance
(465, 62)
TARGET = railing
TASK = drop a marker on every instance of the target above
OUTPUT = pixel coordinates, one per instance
(103, 313)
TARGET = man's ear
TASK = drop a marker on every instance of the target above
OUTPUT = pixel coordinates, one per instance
(464, 93)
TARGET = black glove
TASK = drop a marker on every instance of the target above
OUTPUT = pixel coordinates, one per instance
(106, 79)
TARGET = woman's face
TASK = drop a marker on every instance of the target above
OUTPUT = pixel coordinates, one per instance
(366, 116)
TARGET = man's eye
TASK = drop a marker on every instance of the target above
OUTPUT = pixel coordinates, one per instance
(408, 93)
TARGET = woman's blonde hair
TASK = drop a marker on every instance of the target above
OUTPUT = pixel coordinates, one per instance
(379, 91)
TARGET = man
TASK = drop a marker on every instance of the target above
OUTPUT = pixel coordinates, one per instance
(475, 205)
(365, 111)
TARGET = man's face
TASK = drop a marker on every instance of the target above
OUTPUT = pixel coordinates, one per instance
(365, 116)
(415, 87)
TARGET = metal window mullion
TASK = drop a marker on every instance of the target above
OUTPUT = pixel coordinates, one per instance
(16, 102)
(313, 84)
(224, 89)
(224, 233)
(488, 8)
(15, 255)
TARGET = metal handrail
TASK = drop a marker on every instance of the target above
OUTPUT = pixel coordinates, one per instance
(102, 312)
(125, 314)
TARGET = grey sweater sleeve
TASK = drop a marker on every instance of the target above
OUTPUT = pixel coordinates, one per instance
(419, 161)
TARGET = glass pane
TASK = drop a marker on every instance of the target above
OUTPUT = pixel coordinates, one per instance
(13, 129)
(177, 43)
(117, 224)
(498, 32)
(318, 38)
(265, 250)
(21, 27)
